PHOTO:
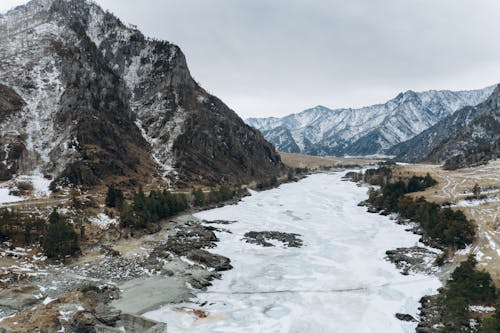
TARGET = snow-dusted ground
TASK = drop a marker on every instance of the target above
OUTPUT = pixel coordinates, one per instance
(103, 221)
(40, 188)
(6, 197)
(476, 202)
(41, 185)
(337, 282)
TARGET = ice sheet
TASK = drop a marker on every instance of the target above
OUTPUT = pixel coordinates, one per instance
(337, 282)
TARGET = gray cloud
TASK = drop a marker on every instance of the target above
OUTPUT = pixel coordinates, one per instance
(277, 57)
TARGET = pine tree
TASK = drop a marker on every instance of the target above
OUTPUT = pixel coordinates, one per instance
(140, 208)
(75, 200)
(198, 197)
(476, 190)
(127, 216)
(60, 239)
(114, 197)
(54, 217)
(111, 196)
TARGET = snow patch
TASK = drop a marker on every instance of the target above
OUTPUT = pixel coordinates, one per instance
(94, 29)
(476, 202)
(481, 309)
(6, 197)
(41, 185)
(103, 221)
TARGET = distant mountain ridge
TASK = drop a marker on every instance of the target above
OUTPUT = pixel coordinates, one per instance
(368, 130)
(467, 137)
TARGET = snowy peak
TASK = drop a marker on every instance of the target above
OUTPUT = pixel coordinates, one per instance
(467, 137)
(103, 102)
(368, 130)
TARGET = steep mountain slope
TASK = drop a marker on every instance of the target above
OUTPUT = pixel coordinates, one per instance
(103, 102)
(469, 136)
(365, 131)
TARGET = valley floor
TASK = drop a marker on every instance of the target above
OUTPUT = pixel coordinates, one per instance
(305, 257)
(319, 162)
(338, 280)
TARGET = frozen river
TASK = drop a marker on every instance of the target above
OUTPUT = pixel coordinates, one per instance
(338, 281)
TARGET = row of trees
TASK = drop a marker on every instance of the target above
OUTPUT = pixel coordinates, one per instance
(144, 208)
(159, 205)
(444, 225)
(24, 227)
(224, 193)
(56, 235)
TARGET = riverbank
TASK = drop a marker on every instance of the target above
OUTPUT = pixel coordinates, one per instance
(337, 280)
(464, 304)
(455, 190)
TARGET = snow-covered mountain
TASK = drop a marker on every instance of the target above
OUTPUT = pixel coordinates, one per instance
(85, 98)
(368, 130)
(467, 137)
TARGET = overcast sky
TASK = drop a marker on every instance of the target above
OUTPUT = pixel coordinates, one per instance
(275, 57)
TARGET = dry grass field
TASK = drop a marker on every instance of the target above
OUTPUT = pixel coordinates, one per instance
(317, 162)
(455, 188)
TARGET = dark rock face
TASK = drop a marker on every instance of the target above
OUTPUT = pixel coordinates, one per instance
(232, 151)
(111, 105)
(10, 102)
(110, 144)
(11, 146)
(262, 238)
(468, 137)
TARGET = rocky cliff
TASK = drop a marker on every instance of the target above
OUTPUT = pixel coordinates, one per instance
(86, 99)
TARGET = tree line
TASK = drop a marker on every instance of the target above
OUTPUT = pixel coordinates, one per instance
(158, 205)
(59, 237)
(215, 196)
(144, 209)
(443, 225)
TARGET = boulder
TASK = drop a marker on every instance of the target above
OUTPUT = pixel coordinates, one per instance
(83, 322)
(107, 315)
(20, 297)
(405, 317)
(218, 262)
